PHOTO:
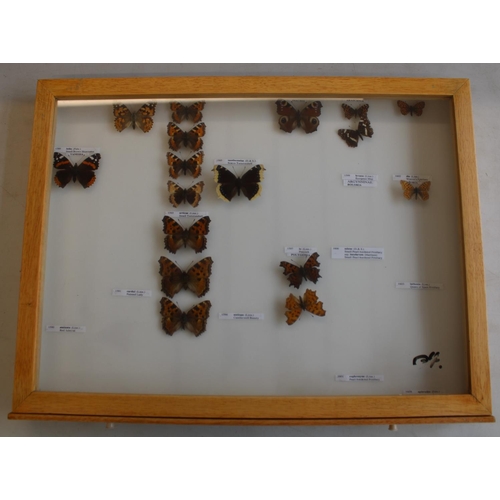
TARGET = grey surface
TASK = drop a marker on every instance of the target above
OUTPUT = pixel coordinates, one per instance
(17, 92)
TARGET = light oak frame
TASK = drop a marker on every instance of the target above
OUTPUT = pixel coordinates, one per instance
(30, 403)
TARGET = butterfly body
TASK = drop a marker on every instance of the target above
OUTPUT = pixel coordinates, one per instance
(295, 306)
(410, 190)
(191, 138)
(405, 108)
(352, 136)
(290, 118)
(181, 112)
(196, 278)
(142, 118)
(194, 236)
(191, 195)
(309, 271)
(83, 172)
(191, 166)
(361, 112)
(194, 320)
(229, 185)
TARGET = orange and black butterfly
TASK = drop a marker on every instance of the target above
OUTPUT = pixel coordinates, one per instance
(421, 190)
(405, 108)
(84, 172)
(177, 236)
(191, 166)
(195, 320)
(295, 306)
(290, 118)
(352, 136)
(361, 112)
(229, 185)
(196, 278)
(181, 112)
(191, 195)
(142, 118)
(192, 138)
(309, 271)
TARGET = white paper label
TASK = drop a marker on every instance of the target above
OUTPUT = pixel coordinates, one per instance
(421, 392)
(357, 253)
(300, 251)
(234, 161)
(85, 152)
(418, 285)
(120, 292)
(359, 378)
(411, 178)
(360, 180)
(241, 315)
(76, 329)
(186, 213)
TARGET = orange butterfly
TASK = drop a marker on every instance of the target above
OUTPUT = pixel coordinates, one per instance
(361, 112)
(181, 112)
(195, 320)
(196, 278)
(191, 195)
(177, 236)
(191, 138)
(142, 118)
(190, 166)
(422, 190)
(296, 305)
(309, 271)
(416, 108)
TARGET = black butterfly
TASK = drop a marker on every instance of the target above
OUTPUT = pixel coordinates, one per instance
(352, 136)
(83, 172)
(228, 185)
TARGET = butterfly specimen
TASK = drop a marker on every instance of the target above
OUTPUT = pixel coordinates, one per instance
(228, 185)
(142, 118)
(296, 305)
(410, 189)
(191, 166)
(295, 274)
(191, 139)
(352, 136)
(196, 278)
(177, 236)
(181, 112)
(416, 108)
(290, 118)
(361, 112)
(195, 320)
(83, 172)
(191, 195)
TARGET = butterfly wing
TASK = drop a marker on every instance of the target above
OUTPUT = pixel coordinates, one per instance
(408, 189)
(65, 170)
(195, 111)
(179, 111)
(418, 108)
(289, 117)
(227, 186)
(350, 136)
(196, 235)
(193, 194)
(349, 112)
(171, 277)
(85, 171)
(174, 234)
(311, 268)
(176, 136)
(364, 128)
(250, 182)
(404, 107)
(293, 273)
(309, 117)
(123, 117)
(294, 309)
(197, 317)
(423, 190)
(143, 117)
(312, 304)
(198, 276)
(171, 316)
(193, 137)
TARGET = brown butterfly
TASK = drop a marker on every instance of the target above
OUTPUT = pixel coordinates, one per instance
(410, 189)
(177, 236)
(191, 139)
(191, 166)
(191, 195)
(351, 136)
(142, 118)
(83, 173)
(295, 274)
(196, 278)
(290, 118)
(195, 320)
(229, 185)
(181, 112)
(416, 108)
(361, 112)
(296, 305)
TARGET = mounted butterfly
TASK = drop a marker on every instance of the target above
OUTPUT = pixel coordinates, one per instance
(181, 112)
(142, 118)
(309, 271)
(189, 139)
(84, 172)
(191, 195)
(229, 185)
(360, 112)
(352, 136)
(194, 237)
(410, 190)
(194, 320)
(191, 166)
(296, 305)
(290, 118)
(405, 108)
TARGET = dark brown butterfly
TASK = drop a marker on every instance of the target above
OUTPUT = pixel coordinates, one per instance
(296, 305)
(290, 118)
(142, 118)
(195, 320)
(229, 185)
(191, 195)
(191, 139)
(351, 136)
(410, 190)
(405, 108)
(361, 112)
(309, 271)
(191, 166)
(177, 236)
(196, 278)
(181, 112)
(83, 172)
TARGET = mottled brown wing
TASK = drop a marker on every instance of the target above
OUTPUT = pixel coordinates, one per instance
(174, 234)
(312, 304)
(361, 112)
(250, 182)
(176, 136)
(198, 276)
(172, 277)
(350, 136)
(309, 117)
(195, 111)
(190, 166)
(193, 194)
(311, 268)
(193, 137)
(289, 117)
(423, 190)
(418, 108)
(294, 309)
(144, 116)
(197, 317)
(292, 273)
(171, 316)
(123, 117)
(181, 112)
(177, 194)
(408, 189)
(196, 238)
(404, 107)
